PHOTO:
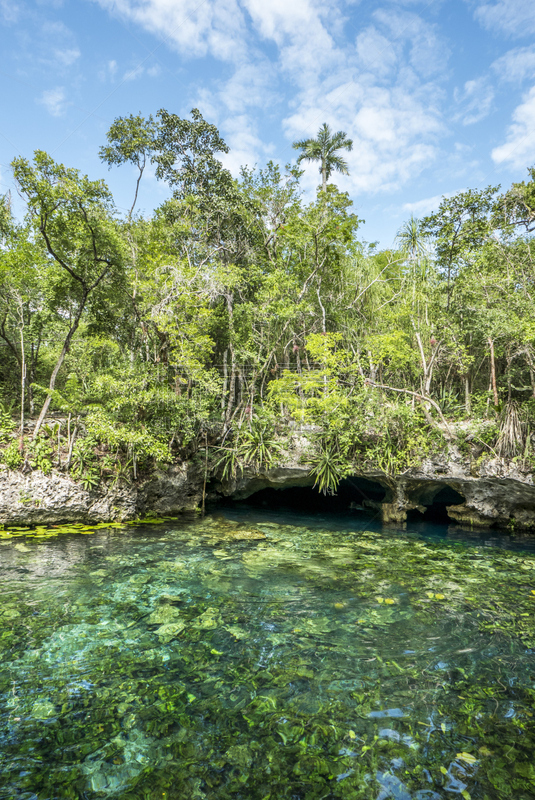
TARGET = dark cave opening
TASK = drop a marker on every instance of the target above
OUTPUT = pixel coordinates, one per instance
(436, 504)
(353, 495)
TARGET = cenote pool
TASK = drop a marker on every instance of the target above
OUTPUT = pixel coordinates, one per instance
(253, 655)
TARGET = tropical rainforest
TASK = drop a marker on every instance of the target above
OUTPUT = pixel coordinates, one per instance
(238, 312)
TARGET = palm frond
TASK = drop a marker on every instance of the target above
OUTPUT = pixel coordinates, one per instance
(336, 163)
(340, 140)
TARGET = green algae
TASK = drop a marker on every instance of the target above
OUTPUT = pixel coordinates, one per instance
(13, 531)
(160, 664)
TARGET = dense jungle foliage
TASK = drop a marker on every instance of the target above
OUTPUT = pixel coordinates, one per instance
(237, 313)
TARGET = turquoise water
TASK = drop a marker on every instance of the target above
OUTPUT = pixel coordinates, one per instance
(262, 655)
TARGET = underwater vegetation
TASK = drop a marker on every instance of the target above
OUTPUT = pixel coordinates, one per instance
(211, 658)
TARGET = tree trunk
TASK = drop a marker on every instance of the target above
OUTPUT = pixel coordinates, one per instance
(225, 381)
(59, 362)
(71, 446)
(493, 372)
(426, 367)
(509, 361)
(323, 318)
(419, 397)
(232, 389)
(22, 388)
(467, 398)
(531, 368)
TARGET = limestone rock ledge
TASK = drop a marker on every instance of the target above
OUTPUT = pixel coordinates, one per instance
(498, 494)
(38, 499)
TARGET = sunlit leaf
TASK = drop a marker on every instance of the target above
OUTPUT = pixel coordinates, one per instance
(468, 758)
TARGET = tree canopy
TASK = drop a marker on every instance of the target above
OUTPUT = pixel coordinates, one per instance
(238, 311)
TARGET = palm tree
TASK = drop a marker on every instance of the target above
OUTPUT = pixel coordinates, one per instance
(411, 238)
(324, 149)
(413, 242)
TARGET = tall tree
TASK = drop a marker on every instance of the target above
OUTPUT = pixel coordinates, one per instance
(130, 140)
(460, 227)
(517, 205)
(324, 148)
(186, 155)
(73, 217)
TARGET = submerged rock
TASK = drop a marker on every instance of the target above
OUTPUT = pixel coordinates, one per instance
(43, 709)
(163, 615)
(170, 631)
(209, 619)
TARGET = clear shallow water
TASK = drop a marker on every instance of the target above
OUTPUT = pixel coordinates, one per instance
(267, 655)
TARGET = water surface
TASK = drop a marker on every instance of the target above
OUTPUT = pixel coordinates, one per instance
(262, 655)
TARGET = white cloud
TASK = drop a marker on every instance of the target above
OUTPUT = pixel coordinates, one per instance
(213, 27)
(376, 52)
(383, 89)
(509, 17)
(109, 71)
(133, 74)
(9, 11)
(305, 45)
(516, 65)
(246, 148)
(421, 208)
(519, 148)
(393, 125)
(58, 45)
(68, 56)
(428, 53)
(139, 71)
(251, 85)
(474, 101)
(393, 134)
(208, 104)
(55, 101)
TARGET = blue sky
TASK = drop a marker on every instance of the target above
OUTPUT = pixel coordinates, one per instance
(437, 96)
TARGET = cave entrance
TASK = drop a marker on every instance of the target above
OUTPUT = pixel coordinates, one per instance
(354, 495)
(436, 503)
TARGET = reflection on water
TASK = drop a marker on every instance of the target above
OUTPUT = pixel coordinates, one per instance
(258, 654)
(363, 520)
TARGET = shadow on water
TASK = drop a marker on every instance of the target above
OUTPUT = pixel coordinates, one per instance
(354, 508)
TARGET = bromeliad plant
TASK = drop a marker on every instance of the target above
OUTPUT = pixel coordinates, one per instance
(255, 445)
(84, 465)
(327, 468)
(258, 446)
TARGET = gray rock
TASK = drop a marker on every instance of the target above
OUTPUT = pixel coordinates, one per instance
(498, 493)
(495, 493)
(38, 499)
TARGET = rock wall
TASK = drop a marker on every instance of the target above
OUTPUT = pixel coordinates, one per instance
(497, 494)
(37, 499)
